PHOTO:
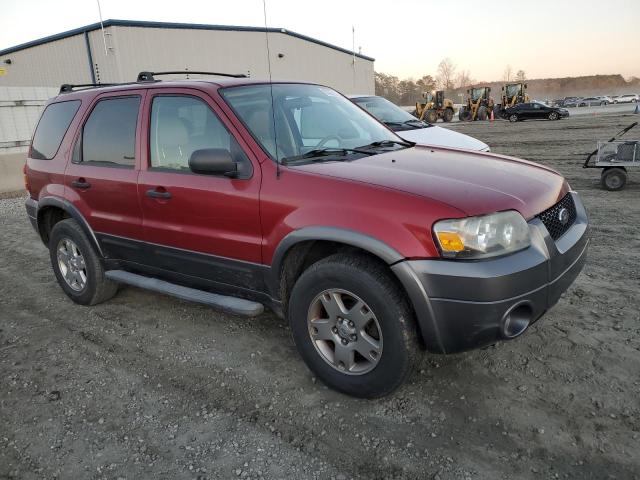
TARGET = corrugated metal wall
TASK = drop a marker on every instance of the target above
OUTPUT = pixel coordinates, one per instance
(20, 109)
(132, 49)
(46, 65)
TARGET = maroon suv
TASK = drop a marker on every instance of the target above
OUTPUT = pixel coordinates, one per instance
(238, 193)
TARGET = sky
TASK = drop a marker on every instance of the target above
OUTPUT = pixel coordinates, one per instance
(408, 38)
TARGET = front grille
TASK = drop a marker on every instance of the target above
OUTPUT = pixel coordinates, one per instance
(551, 217)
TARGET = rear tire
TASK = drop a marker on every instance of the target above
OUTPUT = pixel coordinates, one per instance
(76, 265)
(323, 301)
(482, 113)
(613, 179)
(447, 116)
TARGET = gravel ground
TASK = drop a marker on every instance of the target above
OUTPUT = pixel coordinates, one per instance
(147, 386)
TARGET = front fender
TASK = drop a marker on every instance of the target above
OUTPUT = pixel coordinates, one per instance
(332, 234)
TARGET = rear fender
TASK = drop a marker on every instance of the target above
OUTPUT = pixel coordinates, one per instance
(73, 213)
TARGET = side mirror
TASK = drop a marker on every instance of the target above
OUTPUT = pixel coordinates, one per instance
(213, 161)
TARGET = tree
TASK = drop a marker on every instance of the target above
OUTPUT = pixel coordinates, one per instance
(520, 76)
(508, 74)
(410, 92)
(426, 83)
(464, 79)
(387, 86)
(446, 74)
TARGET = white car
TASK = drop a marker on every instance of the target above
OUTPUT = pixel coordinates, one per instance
(410, 128)
(630, 98)
(606, 99)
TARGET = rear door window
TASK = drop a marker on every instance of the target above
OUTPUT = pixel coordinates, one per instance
(109, 134)
(51, 129)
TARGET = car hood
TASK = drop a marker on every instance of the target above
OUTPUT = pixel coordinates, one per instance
(442, 137)
(472, 182)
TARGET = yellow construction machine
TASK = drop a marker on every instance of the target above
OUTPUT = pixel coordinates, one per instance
(512, 95)
(478, 105)
(435, 106)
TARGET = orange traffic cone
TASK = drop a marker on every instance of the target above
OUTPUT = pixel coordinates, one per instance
(491, 117)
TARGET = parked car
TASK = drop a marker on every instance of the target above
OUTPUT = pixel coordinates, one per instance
(571, 101)
(607, 100)
(534, 110)
(591, 101)
(628, 98)
(410, 128)
(238, 193)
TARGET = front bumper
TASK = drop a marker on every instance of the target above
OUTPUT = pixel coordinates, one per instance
(462, 305)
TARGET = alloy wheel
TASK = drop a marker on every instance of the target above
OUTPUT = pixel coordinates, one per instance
(71, 264)
(345, 331)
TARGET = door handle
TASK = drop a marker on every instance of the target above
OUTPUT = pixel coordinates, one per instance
(81, 183)
(155, 193)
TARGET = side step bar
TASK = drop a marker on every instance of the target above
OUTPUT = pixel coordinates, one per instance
(238, 306)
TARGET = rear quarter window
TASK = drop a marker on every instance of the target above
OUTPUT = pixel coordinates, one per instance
(53, 125)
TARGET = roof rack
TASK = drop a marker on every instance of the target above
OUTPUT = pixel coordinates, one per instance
(150, 76)
(68, 88)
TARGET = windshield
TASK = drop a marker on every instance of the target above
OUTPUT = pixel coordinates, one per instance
(384, 110)
(305, 117)
(513, 90)
(477, 93)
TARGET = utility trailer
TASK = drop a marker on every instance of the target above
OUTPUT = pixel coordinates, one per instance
(614, 157)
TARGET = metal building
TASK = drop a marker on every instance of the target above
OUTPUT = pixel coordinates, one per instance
(116, 54)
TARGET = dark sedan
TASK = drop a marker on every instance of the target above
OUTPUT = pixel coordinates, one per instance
(534, 110)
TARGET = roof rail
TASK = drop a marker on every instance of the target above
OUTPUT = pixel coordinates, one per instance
(68, 88)
(150, 76)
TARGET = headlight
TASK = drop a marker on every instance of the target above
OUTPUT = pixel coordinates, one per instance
(482, 237)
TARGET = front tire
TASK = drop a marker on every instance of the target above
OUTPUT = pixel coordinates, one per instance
(447, 116)
(464, 115)
(482, 113)
(554, 116)
(431, 116)
(513, 118)
(76, 265)
(352, 326)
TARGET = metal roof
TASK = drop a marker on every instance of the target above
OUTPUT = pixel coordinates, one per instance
(185, 26)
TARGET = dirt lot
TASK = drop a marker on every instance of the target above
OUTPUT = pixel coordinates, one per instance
(147, 386)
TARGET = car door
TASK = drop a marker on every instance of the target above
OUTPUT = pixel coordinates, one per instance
(523, 111)
(101, 178)
(200, 225)
(540, 111)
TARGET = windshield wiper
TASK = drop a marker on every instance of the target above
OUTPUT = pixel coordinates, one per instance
(319, 153)
(389, 143)
(416, 121)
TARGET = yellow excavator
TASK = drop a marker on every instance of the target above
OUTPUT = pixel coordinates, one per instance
(512, 94)
(478, 105)
(435, 106)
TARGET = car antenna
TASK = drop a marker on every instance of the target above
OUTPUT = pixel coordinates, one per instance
(273, 109)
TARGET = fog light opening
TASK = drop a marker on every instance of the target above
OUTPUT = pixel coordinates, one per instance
(516, 320)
